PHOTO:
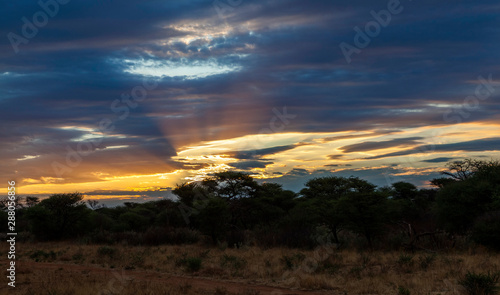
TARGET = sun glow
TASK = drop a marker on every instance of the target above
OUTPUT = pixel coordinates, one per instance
(271, 156)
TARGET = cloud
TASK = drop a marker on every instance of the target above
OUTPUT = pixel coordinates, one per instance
(486, 144)
(220, 77)
(376, 145)
(439, 160)
(246, 165)
(185, 69)
(255, 154)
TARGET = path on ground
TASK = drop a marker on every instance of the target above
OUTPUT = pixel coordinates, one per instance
(175, 280)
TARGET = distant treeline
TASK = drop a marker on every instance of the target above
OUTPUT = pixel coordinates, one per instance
(231, 208)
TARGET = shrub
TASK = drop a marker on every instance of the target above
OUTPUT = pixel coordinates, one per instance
(77, 256)
(427, 260)
(172, 236)
(193, 263)
(405, 260)
(106, 251)
(232, 262)
(403, 291)
(101, 237)
(332, 264)
(486, 229)
(480, 283)
(41, 255)
(292, 261)
(220, 291)
(130, 238)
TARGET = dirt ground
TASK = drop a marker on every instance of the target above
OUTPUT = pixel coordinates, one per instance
(119, 279)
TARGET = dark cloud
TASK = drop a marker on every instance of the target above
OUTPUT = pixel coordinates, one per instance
(381, 177)
(439, 160)
(376, 145)
(246, 165)
(287, 52)
(335, 157)
(487, 144)
(255, 154)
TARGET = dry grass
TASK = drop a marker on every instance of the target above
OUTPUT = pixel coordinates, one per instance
(339, 272)
(60, 282)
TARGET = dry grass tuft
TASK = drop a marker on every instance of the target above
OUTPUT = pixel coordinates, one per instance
(338, 272)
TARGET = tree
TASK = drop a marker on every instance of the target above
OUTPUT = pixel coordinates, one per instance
(134, 221)
(322, 196)
(60, 215)
(231, 185)
(187, 193)
(442, 182)
(214, 218)
(364, 213)
(235, 189)
(94, 204)
(458, 204)
(267, 206)
(486, 230)
(462, 170)
(404, 190)
(333, 187)
(32, 201)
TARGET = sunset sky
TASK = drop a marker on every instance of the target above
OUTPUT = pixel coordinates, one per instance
(126, 99)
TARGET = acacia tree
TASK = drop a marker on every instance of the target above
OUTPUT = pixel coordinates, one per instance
(214, 218)
(201, 200)
(404, 191)
(231, 185)
(32, 201)
(322, 197)
(473, 194)
(60, 215)
(462, 170)
(364, 213)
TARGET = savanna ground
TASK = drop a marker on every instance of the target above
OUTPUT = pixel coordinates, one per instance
(69, 268)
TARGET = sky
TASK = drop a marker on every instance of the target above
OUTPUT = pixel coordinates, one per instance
(126, 99)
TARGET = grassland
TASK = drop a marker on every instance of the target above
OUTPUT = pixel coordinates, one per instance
(68, 268)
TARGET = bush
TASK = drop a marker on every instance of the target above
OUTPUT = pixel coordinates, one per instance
(172, 236)
(193, 264)
(233, 262)
(106, 251)
(405, 262)
(101, 237)
(403, 291)
(59, 216)
(486, 229)
(130, 238)
(41, 255)
(427, 260)
(292, 261)
(480, 284)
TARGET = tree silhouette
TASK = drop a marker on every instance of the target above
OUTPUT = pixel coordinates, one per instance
(60, 215)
